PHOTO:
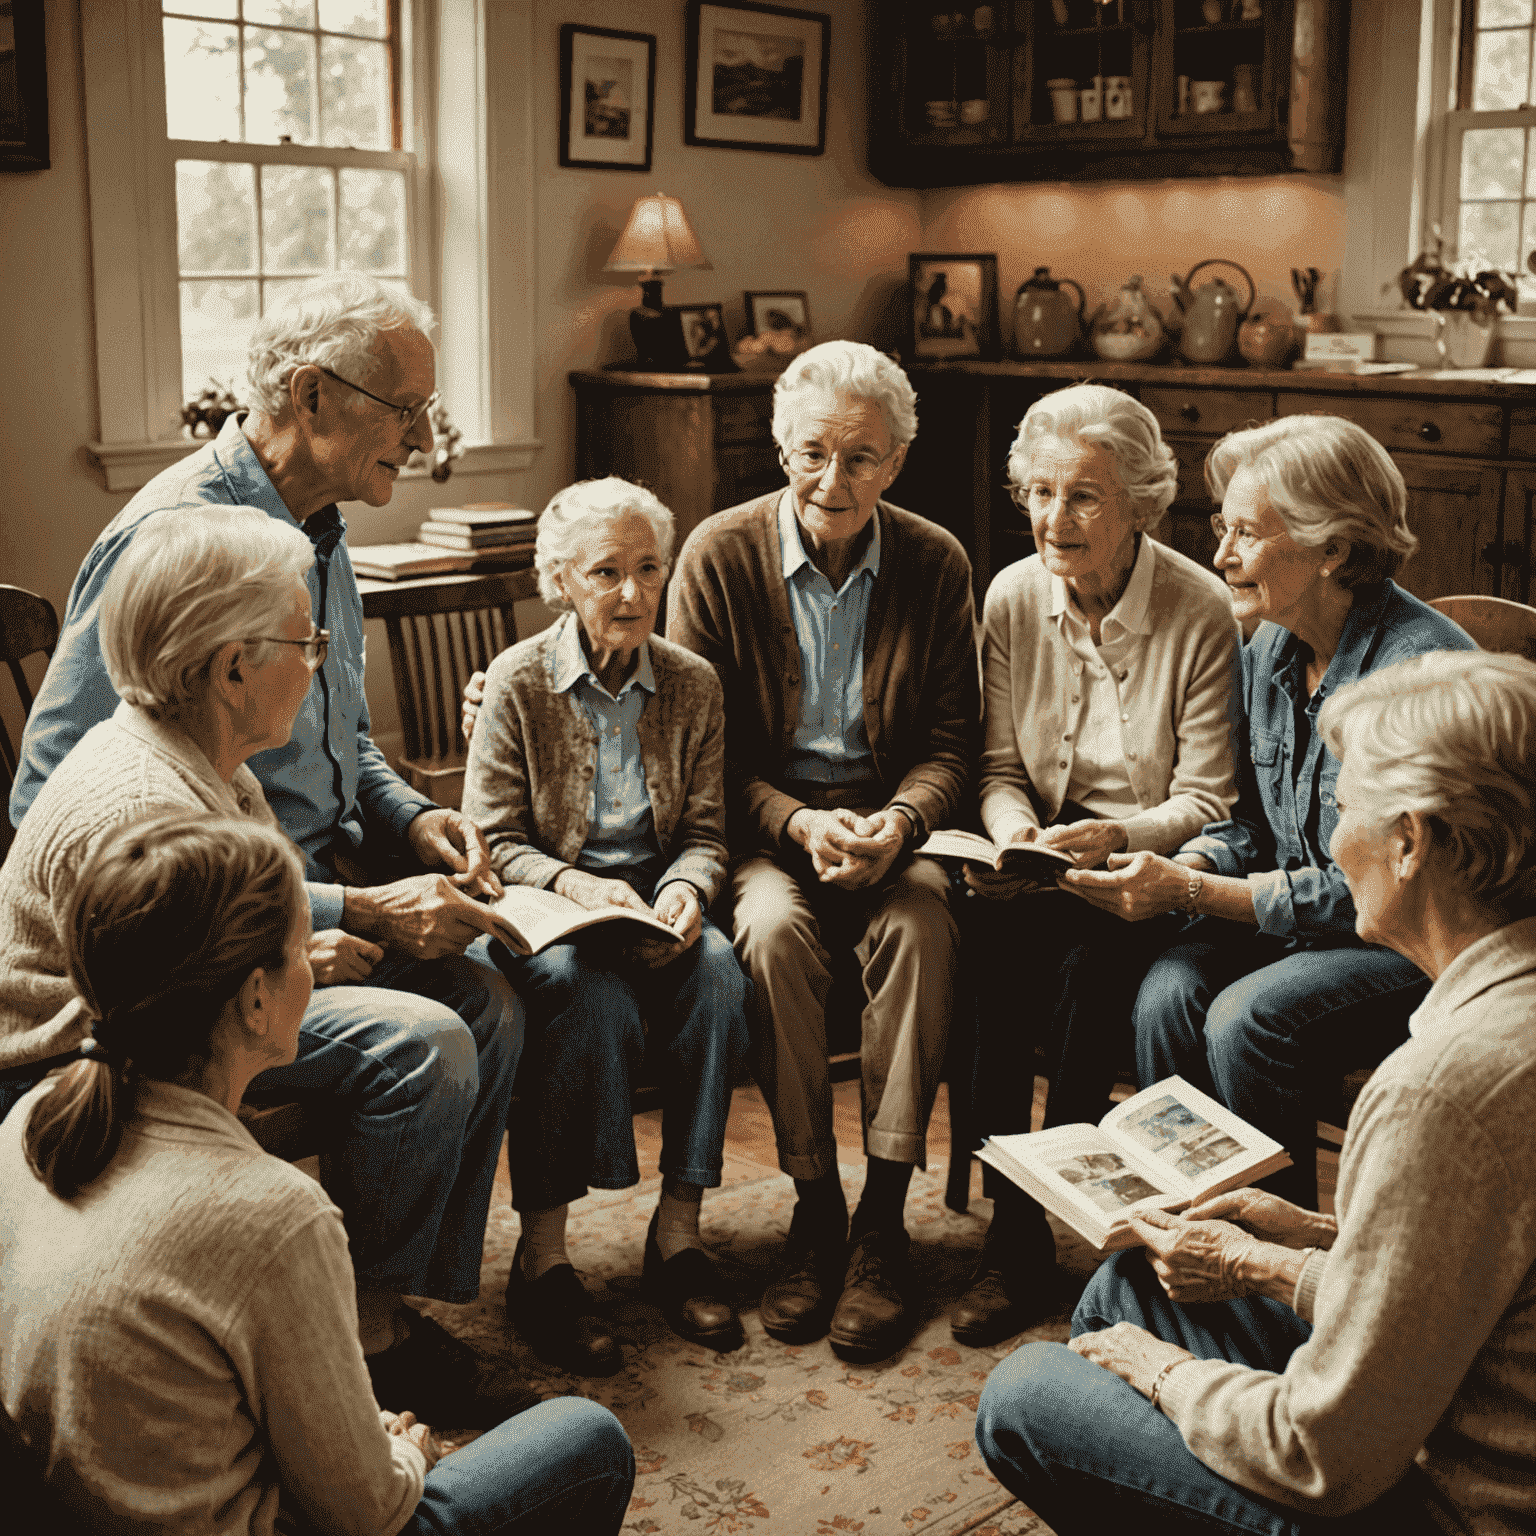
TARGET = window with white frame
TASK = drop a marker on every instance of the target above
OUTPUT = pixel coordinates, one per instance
(285, 125)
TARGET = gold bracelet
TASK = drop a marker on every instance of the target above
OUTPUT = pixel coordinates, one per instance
(1157, 1381)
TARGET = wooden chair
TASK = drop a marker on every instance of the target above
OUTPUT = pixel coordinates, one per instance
(1494, 622)
(440, 630)
(28, 625)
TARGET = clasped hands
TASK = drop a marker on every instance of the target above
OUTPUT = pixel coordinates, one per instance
(409, 1427)
(677, 905)
(848, 849)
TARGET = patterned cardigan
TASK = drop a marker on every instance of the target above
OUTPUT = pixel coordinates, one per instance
(533, 758)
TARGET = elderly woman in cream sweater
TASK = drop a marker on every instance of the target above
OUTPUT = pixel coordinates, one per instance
(596, 770)
(1108, 662)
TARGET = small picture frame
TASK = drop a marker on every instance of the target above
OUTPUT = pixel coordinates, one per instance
(785, 309)
(701, 331)
(607, 98)
(953, 307)
(756, 77)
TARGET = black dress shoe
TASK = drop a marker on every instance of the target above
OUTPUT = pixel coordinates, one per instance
(797, 1306)
(556, 1316)
(688, 1291)
(441, 1380)
(877, 1311)
(1012, 1288)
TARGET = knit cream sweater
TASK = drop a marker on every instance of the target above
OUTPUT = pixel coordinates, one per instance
(125, 768)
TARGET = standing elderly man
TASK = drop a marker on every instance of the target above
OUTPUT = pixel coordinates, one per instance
(843, 632)
(342, 378)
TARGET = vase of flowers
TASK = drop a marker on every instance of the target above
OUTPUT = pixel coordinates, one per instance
(1465, 301)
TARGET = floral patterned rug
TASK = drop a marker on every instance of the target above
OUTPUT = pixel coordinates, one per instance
(774, 1439)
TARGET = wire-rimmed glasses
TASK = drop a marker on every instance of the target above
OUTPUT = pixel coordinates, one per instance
(1085, 504)
(315, 646)
(651, 576)
(406, 415)
(860, 466)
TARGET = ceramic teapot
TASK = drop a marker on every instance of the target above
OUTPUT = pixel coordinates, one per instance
(1267, 338)
(1045, 321)
(1212, 314)
(1130, 330)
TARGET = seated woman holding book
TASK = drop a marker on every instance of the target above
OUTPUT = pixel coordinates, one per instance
(1108, 663)
(1185, 1399)
(1268, 998)
(181, 1349)
(596, 770)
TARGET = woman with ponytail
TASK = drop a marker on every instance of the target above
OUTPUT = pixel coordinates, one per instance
(181, 1351)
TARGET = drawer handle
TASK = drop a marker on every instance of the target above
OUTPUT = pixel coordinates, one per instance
(1507, 553)
(1190, 413)
(1429, 433)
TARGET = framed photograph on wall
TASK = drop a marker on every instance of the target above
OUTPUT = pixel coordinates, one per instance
(782, 310)
(607, 95)
(954, 306)
(23, 87)
(757, 77)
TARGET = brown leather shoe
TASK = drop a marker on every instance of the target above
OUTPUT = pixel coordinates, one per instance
(556, 1316)
(689, 1293)
(877, 1311)
(443, 1382)
(798, 1304)
(1013, 1285)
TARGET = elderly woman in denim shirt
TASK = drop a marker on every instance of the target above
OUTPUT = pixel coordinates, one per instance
(1270, 993)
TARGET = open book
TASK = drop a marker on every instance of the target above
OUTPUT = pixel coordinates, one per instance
(527, 919)
(1167, 1147)
(1029, 859)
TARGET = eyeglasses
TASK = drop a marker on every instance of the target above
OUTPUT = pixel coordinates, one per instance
(605, 579)
(1244, 540)
(859, 466)
(315, 646)
(1085, 503)
(406, 415)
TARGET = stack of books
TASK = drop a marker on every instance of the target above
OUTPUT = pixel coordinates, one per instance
(481, 536)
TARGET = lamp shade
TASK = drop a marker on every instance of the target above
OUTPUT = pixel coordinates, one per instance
(657, 238)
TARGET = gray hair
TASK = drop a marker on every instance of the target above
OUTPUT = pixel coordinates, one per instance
(333, 322)
(572, 513)
(194, 578)
(1327, 479)
(1451, 735)
(1123, 427)
(847, 368)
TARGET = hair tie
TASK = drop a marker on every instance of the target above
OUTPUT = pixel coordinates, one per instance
(91, 1049)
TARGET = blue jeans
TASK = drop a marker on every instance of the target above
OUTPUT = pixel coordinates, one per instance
(1268, 1028)
(422, 1060)
(1088, 1453)
(574, 1128)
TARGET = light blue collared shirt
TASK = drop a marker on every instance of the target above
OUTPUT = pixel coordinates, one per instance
(831, 744)
(621, 830)
(330, 779)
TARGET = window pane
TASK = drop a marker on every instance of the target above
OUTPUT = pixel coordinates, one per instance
(1490, 162)
(282, 13)
(373, 221)
(279, 87)
(297, 218)
(362, 18)
(1503, 13)
(216, 321)
(219, 10)
(216, 216)
(1502, 70)
(354, 94)
(1490, 233)
(202, 81)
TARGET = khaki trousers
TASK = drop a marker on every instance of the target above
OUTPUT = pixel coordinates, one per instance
(906, 942)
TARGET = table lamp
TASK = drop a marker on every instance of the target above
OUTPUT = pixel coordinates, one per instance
(658, 238)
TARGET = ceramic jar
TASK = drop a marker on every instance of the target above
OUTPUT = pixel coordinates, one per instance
(1267, 339)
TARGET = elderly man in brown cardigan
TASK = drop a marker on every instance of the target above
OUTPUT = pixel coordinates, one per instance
(842, 631)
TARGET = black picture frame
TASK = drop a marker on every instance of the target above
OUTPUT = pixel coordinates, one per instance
(703, 345)
(589, 123)
(737, 97)
(965, 326)
(24, 91)
(767, 310)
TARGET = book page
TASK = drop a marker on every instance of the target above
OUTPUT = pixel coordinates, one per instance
(951, 843)
(527, 919)
(1086, 1168)
(1031, 859)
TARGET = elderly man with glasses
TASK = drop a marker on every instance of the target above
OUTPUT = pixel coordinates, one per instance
(417, 1025)
(842, 630)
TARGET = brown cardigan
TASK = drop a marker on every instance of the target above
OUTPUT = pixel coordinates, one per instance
(922, 703)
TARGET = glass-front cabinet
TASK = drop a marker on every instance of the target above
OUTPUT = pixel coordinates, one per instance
(1048, 89)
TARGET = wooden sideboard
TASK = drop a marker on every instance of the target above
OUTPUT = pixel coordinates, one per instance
(1466, 447)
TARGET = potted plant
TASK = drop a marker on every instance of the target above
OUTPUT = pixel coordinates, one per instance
(1463, 299)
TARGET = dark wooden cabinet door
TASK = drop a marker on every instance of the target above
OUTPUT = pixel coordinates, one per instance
(1454, 510)
(1516, 537)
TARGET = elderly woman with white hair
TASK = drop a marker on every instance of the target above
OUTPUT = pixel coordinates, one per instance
(1107, 664)
(1186, 1399)
(596, 770)
(206, 632)
(1270, 995)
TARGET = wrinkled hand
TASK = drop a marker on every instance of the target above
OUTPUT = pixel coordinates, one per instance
(1268, 1218)
(1090, 841)
(423, 915)
(1196, 1261)
(593, 892)
(677, 906)
(997, 886)
(1133, 1354)
(1136, 886)
(449, 837)
(336, 958)
(469, 710)
(847, 849)
(409, 1428)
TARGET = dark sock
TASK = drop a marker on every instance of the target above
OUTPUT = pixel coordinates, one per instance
(884, 1197)
(1018, 1230)
(821, 1202)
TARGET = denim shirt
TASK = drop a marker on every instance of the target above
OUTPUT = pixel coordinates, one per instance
(1282, 824)
(330, 780)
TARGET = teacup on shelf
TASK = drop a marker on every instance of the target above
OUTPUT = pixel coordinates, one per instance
(1063, 100)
